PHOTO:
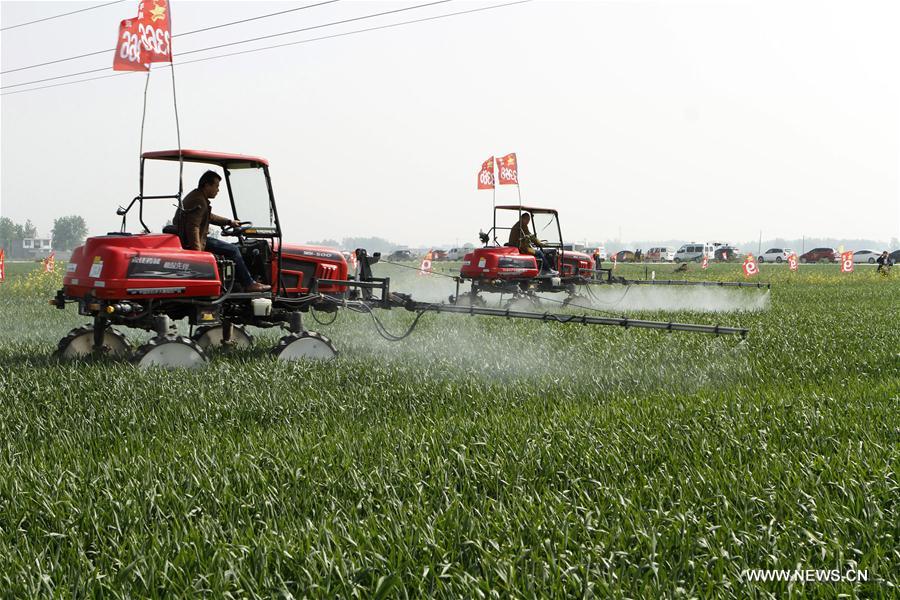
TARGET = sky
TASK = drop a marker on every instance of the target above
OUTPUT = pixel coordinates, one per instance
(636, 119)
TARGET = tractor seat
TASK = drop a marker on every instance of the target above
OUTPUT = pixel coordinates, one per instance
(170, 229)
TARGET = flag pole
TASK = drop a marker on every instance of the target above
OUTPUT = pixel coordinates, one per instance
(177, 125)
(144, 117)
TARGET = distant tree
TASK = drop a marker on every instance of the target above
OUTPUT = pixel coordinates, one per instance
(28, 230)
(7, 232)
(68, 232)
(327, 243)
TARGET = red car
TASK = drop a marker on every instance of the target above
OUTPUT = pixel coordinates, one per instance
(819, 254)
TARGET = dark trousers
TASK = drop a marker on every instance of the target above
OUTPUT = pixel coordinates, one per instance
(233, 253)
(547, 265)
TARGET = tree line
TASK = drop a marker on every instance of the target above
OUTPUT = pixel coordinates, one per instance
(67, 233)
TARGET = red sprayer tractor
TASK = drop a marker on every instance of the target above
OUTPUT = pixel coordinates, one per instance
(500, 267)
(148, 281)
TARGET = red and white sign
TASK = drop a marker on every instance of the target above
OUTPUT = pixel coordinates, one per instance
(793, 263)
(155, 30)
(847, 262)
(486, 175)
(2, 267)
(705, 263)
(50, 263)
(508, 168)
(750, 267)
(129, 55)
(425, 267)
(614, 261)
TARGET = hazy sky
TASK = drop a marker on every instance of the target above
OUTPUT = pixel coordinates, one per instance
(688, 120)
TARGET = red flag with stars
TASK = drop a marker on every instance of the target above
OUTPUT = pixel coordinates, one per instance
(155, 30)
(2, 267)
(486, 175)
(129, 55)
(508, 168)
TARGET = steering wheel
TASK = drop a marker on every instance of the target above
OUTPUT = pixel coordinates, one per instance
(237, 231)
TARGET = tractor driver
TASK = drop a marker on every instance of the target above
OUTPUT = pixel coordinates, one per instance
(527, 243)
(192, 222)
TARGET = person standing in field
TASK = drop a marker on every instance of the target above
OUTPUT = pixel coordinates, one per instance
(884, 263)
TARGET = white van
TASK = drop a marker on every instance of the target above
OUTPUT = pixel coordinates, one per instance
(695, 251)
(459, 253)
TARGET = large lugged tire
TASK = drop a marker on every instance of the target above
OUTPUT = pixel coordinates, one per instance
(470, 299)
(210, 337)
(307, 345)
(79, 343)
(170, 352)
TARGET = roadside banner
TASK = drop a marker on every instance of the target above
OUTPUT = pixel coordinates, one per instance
(705, 263)
(847, 262)
(425, 267)
(750, 267)
(129, 55)
(614, 261)
(486, 175)
(155, 30)
(508, 168)
(2, 267)
(793, 263)
(50, 263)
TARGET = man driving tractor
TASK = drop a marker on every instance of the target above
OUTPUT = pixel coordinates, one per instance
(192, 221)
(528, 243)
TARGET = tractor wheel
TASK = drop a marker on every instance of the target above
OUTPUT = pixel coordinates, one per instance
(526, 303)
(307, 345)
(170, 352)
(210, 337)
(79, 343)
(470, 299)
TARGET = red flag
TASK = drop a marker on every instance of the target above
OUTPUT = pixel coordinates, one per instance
(847, 262)
(486, 175)
(50, 263)
(129, 56)
(793, 262)
(614, 260)
(750, 268)
(508, 169)
(2, 267)
(425, 267)
(155, 30)
(705, 263)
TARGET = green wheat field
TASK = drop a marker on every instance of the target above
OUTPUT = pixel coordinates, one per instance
(478, 458)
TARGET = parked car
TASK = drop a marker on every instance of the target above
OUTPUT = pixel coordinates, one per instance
(624, 256)
(459, 253)
(820, 255)
(399, 255)
(660, 254)
(865, 256)
(777, 255)
(727, 253)
(694, 251)
(895, 256)
(438, 255)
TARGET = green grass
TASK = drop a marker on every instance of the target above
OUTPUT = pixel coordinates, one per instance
(477, 458)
